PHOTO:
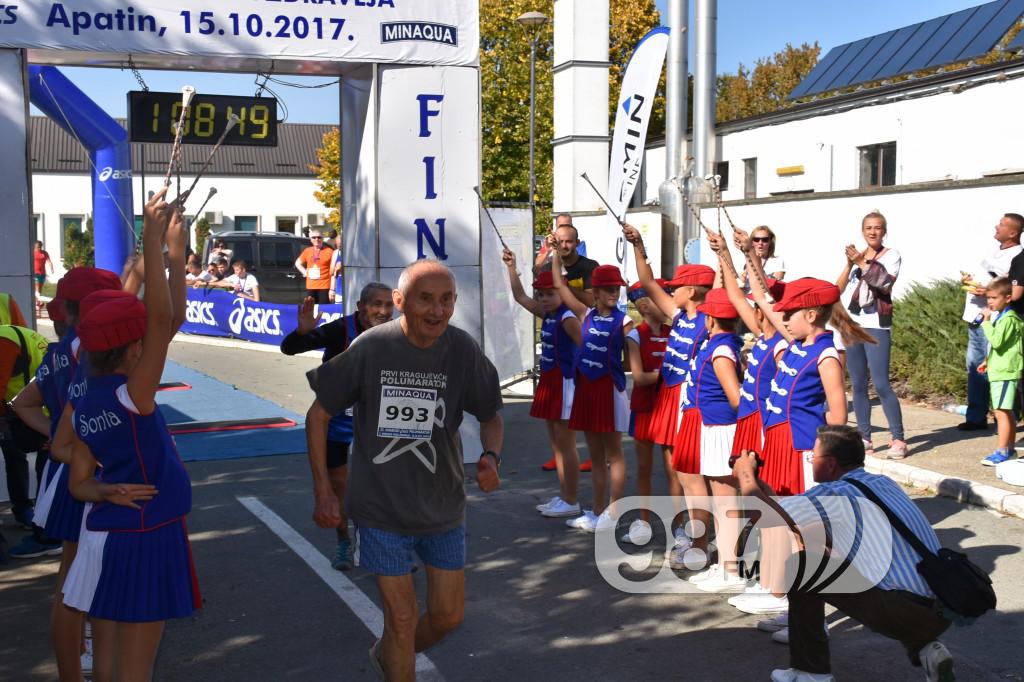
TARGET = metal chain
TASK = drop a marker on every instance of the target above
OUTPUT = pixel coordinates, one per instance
(138, 76)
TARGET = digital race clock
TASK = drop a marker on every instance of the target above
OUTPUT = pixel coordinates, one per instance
(153, 116)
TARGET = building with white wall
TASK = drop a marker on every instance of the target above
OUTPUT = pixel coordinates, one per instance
(942, 157)
(264, 189)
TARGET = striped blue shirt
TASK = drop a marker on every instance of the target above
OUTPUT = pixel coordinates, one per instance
(860, 529)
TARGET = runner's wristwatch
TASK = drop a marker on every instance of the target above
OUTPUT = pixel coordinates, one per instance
(492, 453)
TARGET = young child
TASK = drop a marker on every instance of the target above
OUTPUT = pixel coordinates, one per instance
(559, 338)
(689, 285)
(646, 345)
(600, 408)
(1004, 330)
(807, 390)
(714, 391)
(135, 568)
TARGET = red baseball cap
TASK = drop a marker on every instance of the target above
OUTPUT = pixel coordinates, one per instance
(807, 292)
(717, 304)
(79, 282)
(692, 275)
(55, 310)
(776, 289)
(606, 276)
(544, 280)
(111, 319)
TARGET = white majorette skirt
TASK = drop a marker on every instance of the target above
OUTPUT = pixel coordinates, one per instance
(133, 577)
(45, 497)
(715, 449)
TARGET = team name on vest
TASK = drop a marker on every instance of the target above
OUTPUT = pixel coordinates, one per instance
(107, 420)
(76, 390)
(422, 31)
(61, 361)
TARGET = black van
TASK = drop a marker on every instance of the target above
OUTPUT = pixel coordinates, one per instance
(271, 258)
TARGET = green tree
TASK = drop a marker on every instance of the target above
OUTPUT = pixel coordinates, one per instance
(328, 173)
(79, 247)
(505, 82)
(202, 232)
(763, 90)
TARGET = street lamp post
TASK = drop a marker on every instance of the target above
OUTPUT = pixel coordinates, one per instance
(533, 21)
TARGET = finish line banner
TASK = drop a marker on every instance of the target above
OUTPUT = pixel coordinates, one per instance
(438, 32)
(217, 313)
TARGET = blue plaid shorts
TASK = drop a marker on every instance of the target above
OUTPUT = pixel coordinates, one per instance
(385, 553)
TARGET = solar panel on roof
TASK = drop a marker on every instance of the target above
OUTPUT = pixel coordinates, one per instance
(951, 38)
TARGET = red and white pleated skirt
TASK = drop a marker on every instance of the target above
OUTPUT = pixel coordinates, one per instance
(749, 434)
(553, 398)
(786, 469)
(686, 448)
(715, 449)
(598, 406)
(664, 421)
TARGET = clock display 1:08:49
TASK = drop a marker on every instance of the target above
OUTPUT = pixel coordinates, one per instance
(202, 117)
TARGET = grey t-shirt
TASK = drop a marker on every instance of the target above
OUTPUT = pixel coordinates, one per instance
(407, 473)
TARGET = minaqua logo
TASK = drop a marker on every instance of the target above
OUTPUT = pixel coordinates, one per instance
(419, 31)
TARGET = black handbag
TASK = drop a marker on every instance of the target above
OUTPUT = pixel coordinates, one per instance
(964, 590)
(14, 430)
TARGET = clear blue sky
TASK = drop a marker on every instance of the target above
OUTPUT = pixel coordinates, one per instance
(747, 30)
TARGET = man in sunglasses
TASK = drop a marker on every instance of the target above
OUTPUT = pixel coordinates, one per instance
(314, 263)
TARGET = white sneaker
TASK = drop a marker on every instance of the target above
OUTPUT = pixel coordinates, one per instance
(86, 658)
(560, 509)
(761, 604)
(937, 662)
(779, 622)
(706, 574)
(782, 636)
(547, 505)
(794, 675)
(605, 521)
(587, 521)
(681, 537)
(723, 581)
(639, 533)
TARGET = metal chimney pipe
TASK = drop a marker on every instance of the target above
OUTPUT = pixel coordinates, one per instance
(704, 82)
(674, 216)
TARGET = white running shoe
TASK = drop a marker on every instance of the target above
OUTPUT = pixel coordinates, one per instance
(605, 521)
(794, 675)
(587, 521)
(775, 624)
(760, 604)
(752, 590)
(547, 505)
(708, 573)
(723, 581)
(937, 662)
(639, 533)
(561, 509)
(782, 636)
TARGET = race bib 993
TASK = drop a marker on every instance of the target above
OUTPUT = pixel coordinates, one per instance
(406, 413)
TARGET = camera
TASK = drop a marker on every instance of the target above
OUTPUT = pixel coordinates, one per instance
(757, 458)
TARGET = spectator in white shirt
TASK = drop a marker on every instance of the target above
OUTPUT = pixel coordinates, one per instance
(243, 284)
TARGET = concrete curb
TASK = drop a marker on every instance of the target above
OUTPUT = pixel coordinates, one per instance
(960, 489)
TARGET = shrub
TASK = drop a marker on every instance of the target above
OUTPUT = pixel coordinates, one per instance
(202, 232)
(929, 340)
(79, 248)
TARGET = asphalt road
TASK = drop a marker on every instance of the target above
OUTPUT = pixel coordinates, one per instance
(536, 607)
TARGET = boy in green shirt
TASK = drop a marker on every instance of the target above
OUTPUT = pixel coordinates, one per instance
(1004, 329)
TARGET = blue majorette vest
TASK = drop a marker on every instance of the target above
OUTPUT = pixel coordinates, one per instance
(709, 396)
(757, 378)
(130, 448)
(600, 352)
(556, 346)
(797, 395)
(684, 341)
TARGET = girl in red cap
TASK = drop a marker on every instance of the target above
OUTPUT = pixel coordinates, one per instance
(559, 338)
(689, 286)
(134, 567)
(600, 408)
(645, 345)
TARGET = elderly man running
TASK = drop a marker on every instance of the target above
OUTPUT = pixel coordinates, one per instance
(409, 381)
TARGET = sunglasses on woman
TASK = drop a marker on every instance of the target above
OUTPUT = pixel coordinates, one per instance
(760, 239)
